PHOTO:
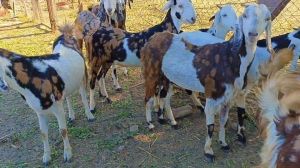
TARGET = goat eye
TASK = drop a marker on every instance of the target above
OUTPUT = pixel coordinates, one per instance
(244, 16)
(180, 6)
(268, 19)
(225, 15)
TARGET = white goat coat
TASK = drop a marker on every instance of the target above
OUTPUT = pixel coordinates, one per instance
(70, 66)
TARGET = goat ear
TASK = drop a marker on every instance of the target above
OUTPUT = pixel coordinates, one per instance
(212, 18)
(219, 6)
(268, 36)
(80, 8)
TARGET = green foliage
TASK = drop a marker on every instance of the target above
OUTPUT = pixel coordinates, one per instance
(80, 132)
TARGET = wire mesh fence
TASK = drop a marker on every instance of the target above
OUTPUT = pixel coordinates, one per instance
(146, 13)
(287, 19)
(149, 13)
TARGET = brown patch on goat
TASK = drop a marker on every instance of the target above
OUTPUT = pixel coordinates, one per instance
(44, 136)
(289, 152)
(64, 133)
(215, 66)
(21, 73)
(151, 57)
(5, 53)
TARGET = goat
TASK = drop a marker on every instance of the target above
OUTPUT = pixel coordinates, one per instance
(117, 19)
(218, 70)
(115, 45)
(44, 81)
(224, 22)
(280, 112)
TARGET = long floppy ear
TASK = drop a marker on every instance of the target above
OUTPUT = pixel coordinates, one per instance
(268, 28)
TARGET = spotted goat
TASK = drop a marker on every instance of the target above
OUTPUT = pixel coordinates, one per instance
(223, 22)
(117, 19)
(218, 70)
(110, 45)
(280, 112)
(44, 82)
(109, 13)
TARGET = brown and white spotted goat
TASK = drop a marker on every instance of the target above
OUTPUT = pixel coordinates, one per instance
(111, 45)
(218, 70)
(44, 82)
(280, 105)
(108, 13)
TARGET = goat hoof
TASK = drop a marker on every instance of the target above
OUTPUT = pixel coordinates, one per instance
(91, 119)
(241, 139)
(162, 121)
(93, 111)
(108, 100)
(71, 121)
(175, 127)
(209, 157)
(119, 90)
(225, 149)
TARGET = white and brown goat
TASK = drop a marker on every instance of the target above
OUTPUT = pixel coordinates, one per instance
(110, 45)
(281, 115)
(44, 82)
(218, 70)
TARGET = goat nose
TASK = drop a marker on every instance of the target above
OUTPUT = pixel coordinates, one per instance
(253, 34)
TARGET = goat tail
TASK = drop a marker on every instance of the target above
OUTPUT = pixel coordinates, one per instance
(277, 61)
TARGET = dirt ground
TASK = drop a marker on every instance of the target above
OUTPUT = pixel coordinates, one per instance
(108, 142)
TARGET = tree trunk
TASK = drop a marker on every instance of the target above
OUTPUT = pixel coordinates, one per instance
(36, 9)
(25, 7)
(52, 14)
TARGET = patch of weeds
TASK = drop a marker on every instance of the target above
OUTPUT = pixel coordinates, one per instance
(53, 124)
(124, 108)
(13, 165)
(110, 144)
(24, 135)
(55, 153)
(80, 132)
(230, 164)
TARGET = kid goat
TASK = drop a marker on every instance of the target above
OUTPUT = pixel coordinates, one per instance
(218, 70)
(281, 108)
(44, 81)
(115, 45)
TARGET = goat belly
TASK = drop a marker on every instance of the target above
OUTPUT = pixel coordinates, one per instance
(178, 67)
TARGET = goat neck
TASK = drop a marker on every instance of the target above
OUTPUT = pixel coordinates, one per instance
(171, 23)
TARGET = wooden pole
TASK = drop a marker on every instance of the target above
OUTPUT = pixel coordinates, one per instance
(52, 15)
(37, 14)
(275, 6)
(25, 7)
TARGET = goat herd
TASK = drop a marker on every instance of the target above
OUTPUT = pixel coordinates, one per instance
(199, 62)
